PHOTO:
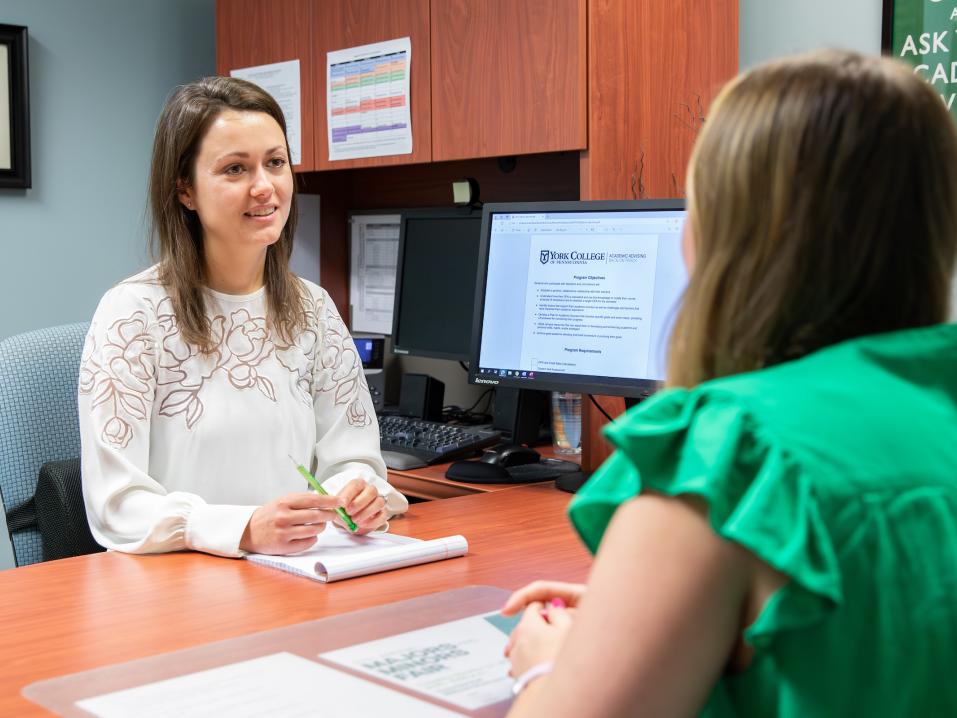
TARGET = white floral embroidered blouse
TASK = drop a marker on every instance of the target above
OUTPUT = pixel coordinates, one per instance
(179, 448)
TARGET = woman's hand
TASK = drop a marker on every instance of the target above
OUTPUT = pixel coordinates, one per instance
(538, 636)
(288, 524)
(365, 507)
(549, 608)
(544, 591)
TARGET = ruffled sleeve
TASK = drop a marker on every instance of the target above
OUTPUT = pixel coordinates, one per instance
(706, 443)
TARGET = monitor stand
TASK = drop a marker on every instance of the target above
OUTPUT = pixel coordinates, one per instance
(631, 401)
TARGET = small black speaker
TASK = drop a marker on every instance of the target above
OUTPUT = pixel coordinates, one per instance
(520, 414)
(421, 396)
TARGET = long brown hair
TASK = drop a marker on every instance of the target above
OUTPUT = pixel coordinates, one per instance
(176, 238)
(823, 206)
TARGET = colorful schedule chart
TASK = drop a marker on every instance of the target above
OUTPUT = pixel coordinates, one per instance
(367, 100)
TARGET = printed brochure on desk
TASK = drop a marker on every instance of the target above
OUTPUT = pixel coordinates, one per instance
(460, 662)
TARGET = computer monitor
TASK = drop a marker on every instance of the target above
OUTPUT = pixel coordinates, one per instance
(370, 350)
(577, 296)
(435, 282)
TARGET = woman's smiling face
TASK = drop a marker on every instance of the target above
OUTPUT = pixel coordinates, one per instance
(242, 182)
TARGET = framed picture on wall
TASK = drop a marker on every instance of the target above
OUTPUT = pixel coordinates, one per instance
(923, 33)
(14, 108)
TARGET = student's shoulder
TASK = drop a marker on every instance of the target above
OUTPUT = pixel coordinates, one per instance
(143, 292)
(312, 290)
(317, 297)
(321, 311)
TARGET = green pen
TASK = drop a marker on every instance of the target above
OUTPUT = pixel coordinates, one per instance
(318, 487)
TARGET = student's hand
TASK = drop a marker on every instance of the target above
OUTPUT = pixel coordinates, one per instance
(365, 507)
(538, 636)
(288, 524)
(544, 591)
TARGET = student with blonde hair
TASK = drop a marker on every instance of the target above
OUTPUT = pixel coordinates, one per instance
(776, 534)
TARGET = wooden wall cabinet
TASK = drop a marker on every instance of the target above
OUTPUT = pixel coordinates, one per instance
(340, 24)
(488, 78)
(508, 77)
(653, 69)
(261, 32)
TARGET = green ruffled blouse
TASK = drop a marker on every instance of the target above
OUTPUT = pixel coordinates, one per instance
(839, 470)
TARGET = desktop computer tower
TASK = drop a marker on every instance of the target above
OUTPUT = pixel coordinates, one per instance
(371, 349)
(375, 378)
(520, 414)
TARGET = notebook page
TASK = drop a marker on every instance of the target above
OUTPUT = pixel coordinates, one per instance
(339, 566)
(338, 554)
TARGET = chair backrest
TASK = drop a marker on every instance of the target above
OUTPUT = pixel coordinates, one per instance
(39, 371)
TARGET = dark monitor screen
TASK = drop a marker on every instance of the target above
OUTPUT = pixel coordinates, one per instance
(577, 296)
(435, 283)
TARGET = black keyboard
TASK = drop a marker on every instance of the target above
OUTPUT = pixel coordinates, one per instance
(432, 442)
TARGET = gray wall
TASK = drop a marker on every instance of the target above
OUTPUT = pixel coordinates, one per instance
(99, 73)
(771, 28)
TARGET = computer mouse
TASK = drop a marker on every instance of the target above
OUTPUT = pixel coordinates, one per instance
(511, 455)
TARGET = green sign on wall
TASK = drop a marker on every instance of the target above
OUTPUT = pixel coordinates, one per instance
(923, 33)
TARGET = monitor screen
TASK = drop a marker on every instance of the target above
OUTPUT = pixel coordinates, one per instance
(435, 283)
(370, 350)
(577, 296)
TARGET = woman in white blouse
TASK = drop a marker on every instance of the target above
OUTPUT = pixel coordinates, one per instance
(203, 374)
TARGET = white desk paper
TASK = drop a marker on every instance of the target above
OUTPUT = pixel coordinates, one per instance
(460, 662)
(374, 256)
(281, 684)
(367, 100)
(281, 80)
(338, 555)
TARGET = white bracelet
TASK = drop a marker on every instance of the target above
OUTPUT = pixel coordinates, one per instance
(536, 671)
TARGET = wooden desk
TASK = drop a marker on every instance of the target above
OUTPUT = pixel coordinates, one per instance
(429, 482)
(79, 613)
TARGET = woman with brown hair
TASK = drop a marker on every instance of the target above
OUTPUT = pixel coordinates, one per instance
(778, 528)
(202, 375)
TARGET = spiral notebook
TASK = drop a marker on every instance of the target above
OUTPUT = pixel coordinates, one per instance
(337, 555)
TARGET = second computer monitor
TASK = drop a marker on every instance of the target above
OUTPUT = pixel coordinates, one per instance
(577, 296)
(435, 283)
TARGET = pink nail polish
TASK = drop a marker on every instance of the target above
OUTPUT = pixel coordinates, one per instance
(557, 603)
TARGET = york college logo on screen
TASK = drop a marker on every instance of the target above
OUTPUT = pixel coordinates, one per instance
(548, 255)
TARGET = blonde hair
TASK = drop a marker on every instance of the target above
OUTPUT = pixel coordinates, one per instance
(822, 206)
(177, 237)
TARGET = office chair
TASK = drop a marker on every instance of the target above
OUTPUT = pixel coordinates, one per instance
(39, 429)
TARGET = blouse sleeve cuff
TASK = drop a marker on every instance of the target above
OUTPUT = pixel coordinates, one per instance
(218, 529)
